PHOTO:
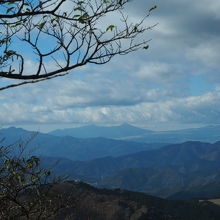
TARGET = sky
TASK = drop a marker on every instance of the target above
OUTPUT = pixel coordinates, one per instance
(175, 84)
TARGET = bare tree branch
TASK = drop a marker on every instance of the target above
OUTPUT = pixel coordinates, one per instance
(62, 35)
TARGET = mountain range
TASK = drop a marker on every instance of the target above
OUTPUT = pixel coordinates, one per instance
(132, 133)
(70, 147)
(162, 172)
(182, 170)
(91, 131)
(186, 157)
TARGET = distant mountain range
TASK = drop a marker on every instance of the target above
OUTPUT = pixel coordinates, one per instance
(132, 133)
(70, 147)
(91, 131)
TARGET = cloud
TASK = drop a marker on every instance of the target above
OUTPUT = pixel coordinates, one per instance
(105, 102)
(159, 72)
(207, 53)
(147, 87)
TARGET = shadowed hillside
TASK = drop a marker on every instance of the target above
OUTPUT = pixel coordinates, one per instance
(161, 172)
(80, 201)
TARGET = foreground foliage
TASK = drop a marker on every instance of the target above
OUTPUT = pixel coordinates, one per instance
(21, 181)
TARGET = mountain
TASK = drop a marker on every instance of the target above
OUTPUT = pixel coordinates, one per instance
(204, 134)
(162, 172)
(167, 171)
(131, 133)
(187, 157)
(79, 201)
(156, 182)
(70, 147)
(124, 130)
(165, 183)
(202, 191)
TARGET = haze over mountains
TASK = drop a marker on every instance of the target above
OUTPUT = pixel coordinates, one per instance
(132, 133)
(124, 130)
(70, 147)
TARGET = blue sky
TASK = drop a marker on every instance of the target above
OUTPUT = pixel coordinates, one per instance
(173, 85)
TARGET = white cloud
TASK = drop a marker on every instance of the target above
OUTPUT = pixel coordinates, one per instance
(141, 88)
(158, 72)
(209, 6)
(207, 53)
(80, 102)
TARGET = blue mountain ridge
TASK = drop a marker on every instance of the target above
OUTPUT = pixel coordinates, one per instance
(132, 133)
(70, 147)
